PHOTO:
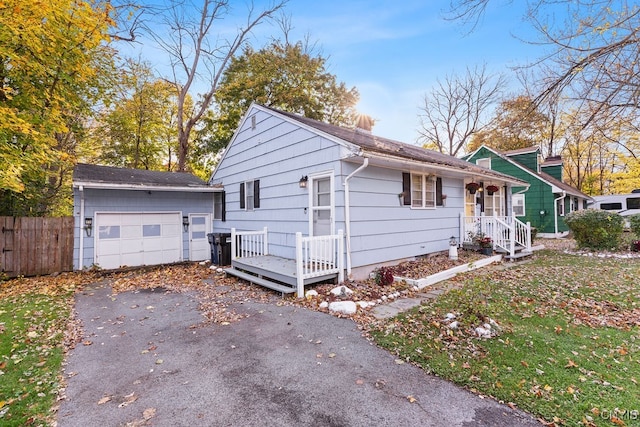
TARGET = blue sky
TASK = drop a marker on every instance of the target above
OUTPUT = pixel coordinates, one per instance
(393, 52)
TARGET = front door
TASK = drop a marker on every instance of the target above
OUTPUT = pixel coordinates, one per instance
(321, 208)
(199, 248)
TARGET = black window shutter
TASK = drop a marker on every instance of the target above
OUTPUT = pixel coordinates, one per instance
(223, 214)
(438, 191)
(256, 193)
(242, 195)
(406, 188)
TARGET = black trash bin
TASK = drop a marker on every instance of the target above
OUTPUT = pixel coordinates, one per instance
(224, 241)
(215, 256)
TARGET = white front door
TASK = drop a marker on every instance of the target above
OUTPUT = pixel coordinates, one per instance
(322, 213)
(199, 248)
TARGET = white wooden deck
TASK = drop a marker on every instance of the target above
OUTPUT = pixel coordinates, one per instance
(318, 259)
(273, 272)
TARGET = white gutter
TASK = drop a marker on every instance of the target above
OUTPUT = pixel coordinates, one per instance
(107, 186)
(555, 211)
(347, 212)
(81, 231)
(396, 162)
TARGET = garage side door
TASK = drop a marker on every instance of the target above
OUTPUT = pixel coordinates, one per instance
(132, 239)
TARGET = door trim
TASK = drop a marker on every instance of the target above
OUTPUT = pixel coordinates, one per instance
(207, 230)
(332, 208)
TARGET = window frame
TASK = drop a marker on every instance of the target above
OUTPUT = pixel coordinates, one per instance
(514, 198)
(428, 187)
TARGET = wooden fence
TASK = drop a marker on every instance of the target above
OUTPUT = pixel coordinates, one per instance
(32, 246)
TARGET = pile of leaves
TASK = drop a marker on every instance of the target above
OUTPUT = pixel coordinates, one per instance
(432, 264)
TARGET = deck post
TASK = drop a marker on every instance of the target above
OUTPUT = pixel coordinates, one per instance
(299, 265)
(233, 244)
(512, 238)
(340, 256)
(461, 226)
(528, 236)
(265, 249)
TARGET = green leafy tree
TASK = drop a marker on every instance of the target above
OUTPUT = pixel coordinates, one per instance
(282, 75)
(138, 129)
(55, 61)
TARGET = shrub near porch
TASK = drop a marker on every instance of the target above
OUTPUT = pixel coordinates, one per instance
(568, 346)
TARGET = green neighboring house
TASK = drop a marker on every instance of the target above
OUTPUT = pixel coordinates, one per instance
(547, 200)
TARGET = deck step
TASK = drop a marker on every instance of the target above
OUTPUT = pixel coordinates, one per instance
(260, 281)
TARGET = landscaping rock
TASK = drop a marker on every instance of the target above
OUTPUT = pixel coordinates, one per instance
(341, 291)
(344, 307)
(311, 294)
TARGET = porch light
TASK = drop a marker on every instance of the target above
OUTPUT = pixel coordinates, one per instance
(453, 249)
(88, 225)
(543, 212)
(185, 223)
(303, 181)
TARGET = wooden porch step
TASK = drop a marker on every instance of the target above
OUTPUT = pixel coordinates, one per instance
(260, 281)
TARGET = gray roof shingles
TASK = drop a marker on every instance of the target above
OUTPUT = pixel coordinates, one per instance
(123, 176)
(376, 144)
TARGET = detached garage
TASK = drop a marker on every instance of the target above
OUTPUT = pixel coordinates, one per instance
(132, 217)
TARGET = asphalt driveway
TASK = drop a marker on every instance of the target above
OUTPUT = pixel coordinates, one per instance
(146, 360)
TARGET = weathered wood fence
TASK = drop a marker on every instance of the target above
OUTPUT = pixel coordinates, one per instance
(31, 246)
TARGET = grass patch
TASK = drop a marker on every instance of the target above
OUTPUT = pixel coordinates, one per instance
(567, 348)
(33, 324)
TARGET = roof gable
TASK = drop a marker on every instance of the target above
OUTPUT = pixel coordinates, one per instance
(542, 176)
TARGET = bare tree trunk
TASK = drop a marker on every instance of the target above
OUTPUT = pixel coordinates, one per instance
(194, 56)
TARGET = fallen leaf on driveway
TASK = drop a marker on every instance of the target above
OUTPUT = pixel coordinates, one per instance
(104, 400)
(149, 413)
(411, 399)
(129, 398)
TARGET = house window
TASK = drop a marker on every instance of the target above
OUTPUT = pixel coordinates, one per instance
(518, 204)
(421, 191)
(219, 208)
(561, 207)
(485, 163)
(250, 195)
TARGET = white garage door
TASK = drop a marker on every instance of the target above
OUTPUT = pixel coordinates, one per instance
(132, 239)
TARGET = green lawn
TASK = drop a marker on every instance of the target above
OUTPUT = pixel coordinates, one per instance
(33, 319)
(568, 347)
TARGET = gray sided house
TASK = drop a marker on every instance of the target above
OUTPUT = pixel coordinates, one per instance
(132, 217)
(285, 174)
(547, 199)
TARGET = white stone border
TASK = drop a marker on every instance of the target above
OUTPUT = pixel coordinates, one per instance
(448, 274)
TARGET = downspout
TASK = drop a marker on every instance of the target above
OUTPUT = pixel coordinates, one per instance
(81, 233)
(347, 212)
(555, 212)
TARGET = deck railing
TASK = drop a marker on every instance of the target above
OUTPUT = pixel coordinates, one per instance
(506, 232)
(318, 256)
(246, 244)
(315, 255)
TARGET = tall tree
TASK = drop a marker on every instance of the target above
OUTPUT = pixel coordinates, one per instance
(138, 130)
(456, 109)
(594, 58)
(518, 124)
(286, 76)
(199, 56)
(54, 64)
